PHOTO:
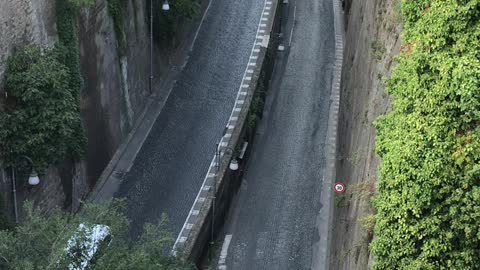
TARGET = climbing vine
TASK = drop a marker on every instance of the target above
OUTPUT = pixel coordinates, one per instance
(118, 11)
(429, 180)
(165, 23)
(41, 118)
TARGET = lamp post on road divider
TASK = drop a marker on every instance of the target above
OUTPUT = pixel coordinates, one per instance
(165, 7)
(232, 166)
(33, 180)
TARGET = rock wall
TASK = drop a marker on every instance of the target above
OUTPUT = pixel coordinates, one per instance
(372, 41)
(23, 22)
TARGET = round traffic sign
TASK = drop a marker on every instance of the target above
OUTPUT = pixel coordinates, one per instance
(339, 188)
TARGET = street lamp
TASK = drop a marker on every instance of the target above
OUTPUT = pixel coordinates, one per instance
(165, 7)
(33, 180)
(233, 163)
(232, 166)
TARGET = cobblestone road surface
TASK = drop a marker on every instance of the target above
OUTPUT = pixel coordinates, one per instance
(272, 221)
(172, 163)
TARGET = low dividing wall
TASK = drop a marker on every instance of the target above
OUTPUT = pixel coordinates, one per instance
(194, 239)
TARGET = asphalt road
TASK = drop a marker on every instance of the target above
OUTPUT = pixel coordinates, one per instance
(272, 224)
(172, 163)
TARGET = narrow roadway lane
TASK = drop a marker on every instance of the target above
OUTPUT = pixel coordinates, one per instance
(272, 224)
(172, 163)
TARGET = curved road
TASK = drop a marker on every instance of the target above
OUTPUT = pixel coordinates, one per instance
(172, 163)
(272, 224)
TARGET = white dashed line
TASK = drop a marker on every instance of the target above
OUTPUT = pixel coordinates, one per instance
(224, 252)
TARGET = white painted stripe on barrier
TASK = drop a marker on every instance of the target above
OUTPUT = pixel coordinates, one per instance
(224, 251)
(232, 118)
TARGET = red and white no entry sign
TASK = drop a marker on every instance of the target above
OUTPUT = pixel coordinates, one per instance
(339, 188)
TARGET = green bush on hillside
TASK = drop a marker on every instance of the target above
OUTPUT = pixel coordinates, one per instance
(429, 181)
(39, 242)
(41, 119)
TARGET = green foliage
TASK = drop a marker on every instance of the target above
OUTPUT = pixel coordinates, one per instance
(378, 49)
(5, 224)
(118, 11)
(41, 117)
(429, 181)
(68, 42)
(39, 243)
(82, 3)
(165, 23)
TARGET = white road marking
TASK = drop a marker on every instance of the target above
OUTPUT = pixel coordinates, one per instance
(232, 118)
(293, 26)
(224, 252)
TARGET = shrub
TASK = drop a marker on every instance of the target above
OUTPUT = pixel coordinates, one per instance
(39, 242)
(41, 119)
(429, 193)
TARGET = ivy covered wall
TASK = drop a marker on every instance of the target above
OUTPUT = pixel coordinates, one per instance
(429, 181)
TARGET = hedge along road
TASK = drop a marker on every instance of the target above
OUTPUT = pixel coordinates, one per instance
(173, 161)
(273, 221)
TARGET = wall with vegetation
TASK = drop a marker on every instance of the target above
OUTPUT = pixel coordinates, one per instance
(29, 22)
(429, 180)
(115, 63)
(76, 73)
(371, 42)
(419, 201)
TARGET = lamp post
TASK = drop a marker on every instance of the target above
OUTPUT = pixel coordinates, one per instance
(232, 166)
(165, 7)
(33, 180)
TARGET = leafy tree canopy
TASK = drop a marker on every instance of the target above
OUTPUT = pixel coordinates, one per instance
(41, 119)
(39, 242)
(429, 181)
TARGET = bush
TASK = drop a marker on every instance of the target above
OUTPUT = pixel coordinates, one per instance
(5, 224)
(41, 119)
(118, 11)
(40, 241)
(165, 23)
(429, 193)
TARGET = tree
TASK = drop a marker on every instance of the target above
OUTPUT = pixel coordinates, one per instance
(39, 242)
(42, 116)
(429, 180)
